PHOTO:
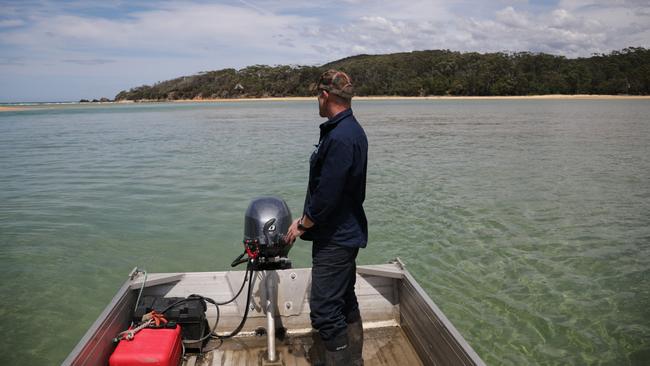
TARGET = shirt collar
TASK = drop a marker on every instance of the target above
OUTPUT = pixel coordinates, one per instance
(332, 122)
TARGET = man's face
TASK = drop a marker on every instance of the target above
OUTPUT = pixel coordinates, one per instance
(322, 101)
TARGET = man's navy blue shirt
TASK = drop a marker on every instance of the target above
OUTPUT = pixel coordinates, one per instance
(337, 183)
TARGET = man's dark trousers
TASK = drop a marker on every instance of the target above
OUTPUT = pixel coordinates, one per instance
(333, 301)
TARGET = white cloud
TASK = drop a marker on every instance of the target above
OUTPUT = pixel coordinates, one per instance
(579, 29)
(7, 23)
(174, 29)
(281, 28)
(161, 40)
(512, 18)
(381, 24)
(90, 62)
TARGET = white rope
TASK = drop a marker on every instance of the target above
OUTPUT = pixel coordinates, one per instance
(130, 333)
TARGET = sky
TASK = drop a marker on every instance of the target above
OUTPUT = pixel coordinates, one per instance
(69, 50)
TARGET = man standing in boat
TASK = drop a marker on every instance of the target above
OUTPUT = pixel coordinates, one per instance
(334, 220)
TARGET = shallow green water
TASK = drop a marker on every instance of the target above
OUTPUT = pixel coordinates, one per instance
(528, 222)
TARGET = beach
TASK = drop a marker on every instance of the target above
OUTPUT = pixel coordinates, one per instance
(11, 108)
(438, 97)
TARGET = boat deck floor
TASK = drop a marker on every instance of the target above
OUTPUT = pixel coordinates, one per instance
(382, 346)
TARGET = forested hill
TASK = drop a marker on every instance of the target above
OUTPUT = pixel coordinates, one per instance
(419, 73)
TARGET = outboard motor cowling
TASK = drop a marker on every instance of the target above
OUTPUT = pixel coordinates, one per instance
(266, 222)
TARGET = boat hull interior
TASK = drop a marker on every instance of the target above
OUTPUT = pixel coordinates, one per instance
(402, 325)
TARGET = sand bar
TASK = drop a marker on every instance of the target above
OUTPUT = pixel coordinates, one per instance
(288, 99)
(11, 109)
(518, 97)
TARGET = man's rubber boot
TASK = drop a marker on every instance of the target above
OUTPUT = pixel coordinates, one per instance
(338, 358)
(317, 351)
(355, 339)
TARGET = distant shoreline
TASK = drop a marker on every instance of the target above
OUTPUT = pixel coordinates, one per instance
(432, 97)
(11, 108)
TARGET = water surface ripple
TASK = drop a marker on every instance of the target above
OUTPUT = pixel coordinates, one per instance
(527, 222)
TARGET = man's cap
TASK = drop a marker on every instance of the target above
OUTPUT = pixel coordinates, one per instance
(336, 82)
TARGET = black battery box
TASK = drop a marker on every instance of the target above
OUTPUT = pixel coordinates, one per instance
(189, 314)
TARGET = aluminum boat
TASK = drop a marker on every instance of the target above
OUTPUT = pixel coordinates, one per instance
(402, 325)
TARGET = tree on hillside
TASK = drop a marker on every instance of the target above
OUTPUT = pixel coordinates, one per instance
(438, 72)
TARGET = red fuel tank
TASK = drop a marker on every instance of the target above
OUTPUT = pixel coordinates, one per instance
(150, 347)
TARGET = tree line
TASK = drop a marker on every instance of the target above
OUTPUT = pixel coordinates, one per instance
(422, 73)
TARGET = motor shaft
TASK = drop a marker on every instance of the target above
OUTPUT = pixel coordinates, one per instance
(270, 319)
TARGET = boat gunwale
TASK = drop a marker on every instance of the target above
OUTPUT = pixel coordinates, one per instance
(446, 323)
(394, 269)
(105, 316)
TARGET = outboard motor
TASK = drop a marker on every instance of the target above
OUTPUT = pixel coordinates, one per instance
(266, 222)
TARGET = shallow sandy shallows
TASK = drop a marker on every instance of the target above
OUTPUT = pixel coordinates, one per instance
(11, 109)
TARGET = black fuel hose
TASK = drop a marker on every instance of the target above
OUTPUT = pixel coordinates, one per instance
(248, 269)
(239, 260)
(195, 296)
(248, 301)
(212, 332)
